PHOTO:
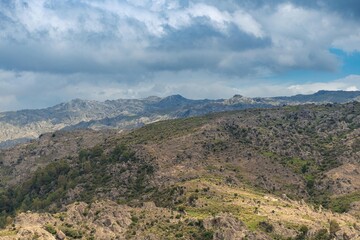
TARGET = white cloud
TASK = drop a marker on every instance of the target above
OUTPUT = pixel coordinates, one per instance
(247, 23)
(350, 43)
(117, 34)
(219, 19)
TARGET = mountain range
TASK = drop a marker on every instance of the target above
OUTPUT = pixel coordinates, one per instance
(122, 114)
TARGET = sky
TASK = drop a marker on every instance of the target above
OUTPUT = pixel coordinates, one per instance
(53, 51)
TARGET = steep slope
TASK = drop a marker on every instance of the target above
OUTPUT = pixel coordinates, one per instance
(132, 113)
(221, 176)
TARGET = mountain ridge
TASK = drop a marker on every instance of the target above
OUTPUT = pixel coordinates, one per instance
(131, 113)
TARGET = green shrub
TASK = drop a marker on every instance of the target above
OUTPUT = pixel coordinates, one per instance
(73, 233)
(322, 234)
(265, 226)
(179, 235)
(207, 235)
(50, 229)
(342, 204)
(134, 219)
(303, 231)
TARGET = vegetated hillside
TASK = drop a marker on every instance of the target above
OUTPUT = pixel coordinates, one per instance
(22, 125)
(252, 174)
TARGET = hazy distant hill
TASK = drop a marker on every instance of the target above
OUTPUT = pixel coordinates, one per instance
(323, 96)
(131, 113)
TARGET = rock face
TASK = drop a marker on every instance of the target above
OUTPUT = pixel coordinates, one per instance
(22, 125)
(60, 235)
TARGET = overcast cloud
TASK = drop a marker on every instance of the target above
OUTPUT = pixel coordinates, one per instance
(53, 51)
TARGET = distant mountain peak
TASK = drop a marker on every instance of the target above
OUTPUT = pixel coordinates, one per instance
(239, 99)
(238, 96)
(175, 97)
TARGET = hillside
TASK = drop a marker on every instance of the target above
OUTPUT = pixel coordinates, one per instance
(282, 173)
(20, 126)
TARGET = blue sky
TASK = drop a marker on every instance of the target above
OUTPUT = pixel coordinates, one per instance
(53, 51)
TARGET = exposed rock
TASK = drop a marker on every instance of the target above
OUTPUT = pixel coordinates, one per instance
(60, 235)
(226, 227)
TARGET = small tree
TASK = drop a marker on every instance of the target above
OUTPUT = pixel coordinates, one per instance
(303, 231)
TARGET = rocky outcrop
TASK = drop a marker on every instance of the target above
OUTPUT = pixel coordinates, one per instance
(227, 227)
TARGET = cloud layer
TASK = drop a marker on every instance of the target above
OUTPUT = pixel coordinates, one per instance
(109, 49)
